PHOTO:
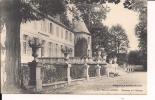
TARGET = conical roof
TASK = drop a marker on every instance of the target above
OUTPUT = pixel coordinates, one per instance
(80, 26)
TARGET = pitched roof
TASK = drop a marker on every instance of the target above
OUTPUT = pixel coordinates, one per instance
(80, 26)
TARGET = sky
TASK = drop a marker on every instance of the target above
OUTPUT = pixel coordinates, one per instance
(127, 19)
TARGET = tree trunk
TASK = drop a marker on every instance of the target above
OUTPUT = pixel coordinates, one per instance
(13, 56)
(118, 47)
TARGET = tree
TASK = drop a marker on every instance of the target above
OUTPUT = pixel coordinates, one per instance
(113, 39)
(13, 13)
(141, 28)
(135, 57)
(91, 11)
(119, 39)
(140, 6)
(100, 37)
(141, 32)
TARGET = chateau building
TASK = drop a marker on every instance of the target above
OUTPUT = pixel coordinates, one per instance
(51, 34)
(54, 35)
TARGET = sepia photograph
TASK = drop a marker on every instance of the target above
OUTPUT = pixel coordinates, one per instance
(81, 47)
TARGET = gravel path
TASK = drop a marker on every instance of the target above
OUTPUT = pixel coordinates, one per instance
(131, 83)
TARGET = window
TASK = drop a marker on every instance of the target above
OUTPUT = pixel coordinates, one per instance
(51, 28)
(52, 49)
(57, 31)
(66, 37)
(43, 49)
(43, 25)
(62, 33)
(24, 47)
(88, 40)
(71, 54)
(56, 50)
(29, 49)
(70, 36)
(61, 51)
(25, 44)
(49, 49)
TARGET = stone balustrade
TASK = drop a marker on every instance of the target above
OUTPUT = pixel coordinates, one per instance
(130, 68)
(51, 60)
(47, 71)
(72, 60)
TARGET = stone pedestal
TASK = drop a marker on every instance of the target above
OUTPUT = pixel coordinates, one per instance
(86, 71)
(68, 73)
(98, 67)
(35, 75)
(38, 78)
(32, 65)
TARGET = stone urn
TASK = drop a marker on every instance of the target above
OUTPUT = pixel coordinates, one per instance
(66, 51)
(104, 56)
(99, 54)
(115, 59)
(35, 45)
(66, 55)
(85, 59)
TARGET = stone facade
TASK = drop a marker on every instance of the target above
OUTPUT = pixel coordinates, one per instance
(53, 35)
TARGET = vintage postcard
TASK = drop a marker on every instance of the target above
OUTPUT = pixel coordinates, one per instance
(81, 47)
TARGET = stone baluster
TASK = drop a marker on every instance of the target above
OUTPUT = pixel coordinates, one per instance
(133, 69)
(129, 69)
(98, 70)
(86, 71)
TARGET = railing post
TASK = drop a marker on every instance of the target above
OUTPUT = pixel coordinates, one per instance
(35, 75)
(86, 71)
(132, 69)
(98, 71)
(68, 73)
(38, 77)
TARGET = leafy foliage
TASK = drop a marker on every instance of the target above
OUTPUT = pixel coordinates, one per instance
(141, 28)
(121, 42)
(113, 40)
(100, 37)
(135, 58)
(95, 1)
(92, 14)
(91, 11)
(141, 32)
(50, 7)
(30, 10)
(136, 5)
(65, 20)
